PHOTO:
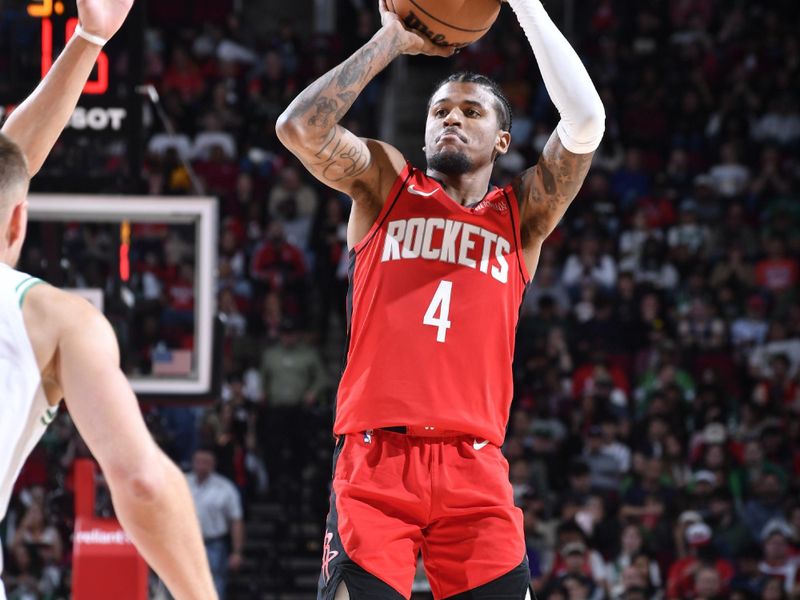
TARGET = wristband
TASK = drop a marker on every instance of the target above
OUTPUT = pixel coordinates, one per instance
(92, 39)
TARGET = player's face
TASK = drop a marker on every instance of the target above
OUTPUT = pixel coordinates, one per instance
(203, 463)
(462, 131)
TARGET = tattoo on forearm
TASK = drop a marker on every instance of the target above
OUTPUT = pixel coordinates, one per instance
(331, 152)
(325, 108)
(328, 107)
(339, 159)
(320, 105)
(347, 99)
(358, 68)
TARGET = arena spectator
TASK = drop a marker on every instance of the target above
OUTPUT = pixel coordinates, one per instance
(577, 567)
(681, 581)
(729, 177)
(766, 502)
(590, 265)
(632, 546)
(219, 510)
(778, 560)
(293, 379)
(777, 273)
(292, 186)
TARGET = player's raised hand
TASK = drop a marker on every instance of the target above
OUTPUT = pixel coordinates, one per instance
(103, 18)
(412, 42)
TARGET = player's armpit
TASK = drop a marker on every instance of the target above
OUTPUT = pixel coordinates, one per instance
(546, 190)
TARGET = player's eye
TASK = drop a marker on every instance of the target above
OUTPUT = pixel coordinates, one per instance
(471, 112)
(440, 113)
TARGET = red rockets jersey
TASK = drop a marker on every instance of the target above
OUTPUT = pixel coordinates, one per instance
(435, 290)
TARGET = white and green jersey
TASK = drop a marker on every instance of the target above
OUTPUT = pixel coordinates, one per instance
(24, 411)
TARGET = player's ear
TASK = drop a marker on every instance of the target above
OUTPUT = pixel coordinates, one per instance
(501, 142)
(17, 224)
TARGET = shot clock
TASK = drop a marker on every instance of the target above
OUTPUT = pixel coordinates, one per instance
(32, 35)
(44, 10)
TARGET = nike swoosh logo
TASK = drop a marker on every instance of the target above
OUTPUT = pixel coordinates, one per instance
(478, 445)
(416, 192)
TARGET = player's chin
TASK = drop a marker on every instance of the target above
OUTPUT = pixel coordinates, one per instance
(450, 161)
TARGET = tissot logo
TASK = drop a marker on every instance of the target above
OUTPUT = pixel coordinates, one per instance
(98, 119)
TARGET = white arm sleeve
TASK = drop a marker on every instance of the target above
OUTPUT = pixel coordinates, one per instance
(571, 90)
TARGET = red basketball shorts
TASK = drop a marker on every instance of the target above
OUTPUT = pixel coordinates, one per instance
(395, 495)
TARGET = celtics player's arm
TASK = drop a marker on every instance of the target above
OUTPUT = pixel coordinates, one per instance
(310, 128)
(150, 494)
(546, 190)
(38, 121)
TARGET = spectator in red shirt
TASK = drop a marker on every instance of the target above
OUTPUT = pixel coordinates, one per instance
(279, 266)
(583, 379)
(779, 389)
(682, 575)
(178, 316)
(777, 272)
(183, 76)
(658, 209)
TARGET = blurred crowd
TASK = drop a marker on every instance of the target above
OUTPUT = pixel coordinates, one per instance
(654, 439)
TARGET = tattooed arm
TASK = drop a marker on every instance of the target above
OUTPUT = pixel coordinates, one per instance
(544, 193)
(309, 127)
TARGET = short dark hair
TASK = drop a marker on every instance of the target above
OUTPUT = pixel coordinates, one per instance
(502, 105)
(13, 169)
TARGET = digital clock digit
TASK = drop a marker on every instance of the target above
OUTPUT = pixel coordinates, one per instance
(44, 9)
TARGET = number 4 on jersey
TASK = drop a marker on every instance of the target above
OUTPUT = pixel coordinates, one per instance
(440, 304)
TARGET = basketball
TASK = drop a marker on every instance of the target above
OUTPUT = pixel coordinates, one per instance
(447, 22)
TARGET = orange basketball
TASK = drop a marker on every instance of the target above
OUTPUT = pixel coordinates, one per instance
(447, 22)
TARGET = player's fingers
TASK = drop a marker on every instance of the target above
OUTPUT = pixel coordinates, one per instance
(387, 16)
(444, 51)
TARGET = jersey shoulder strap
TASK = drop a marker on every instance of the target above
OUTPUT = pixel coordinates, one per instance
(24, 286)
(16, 282)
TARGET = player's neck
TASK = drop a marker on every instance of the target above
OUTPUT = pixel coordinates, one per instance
(6, 256)
(465, 189)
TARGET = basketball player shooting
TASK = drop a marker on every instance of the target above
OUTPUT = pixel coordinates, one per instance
(54, 344)
(439, 262)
